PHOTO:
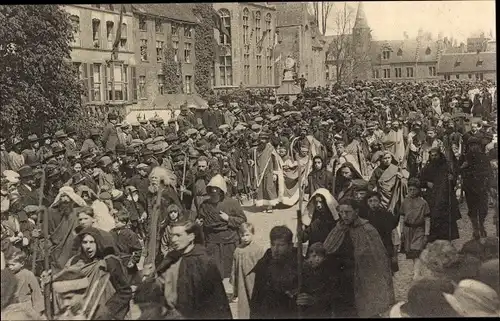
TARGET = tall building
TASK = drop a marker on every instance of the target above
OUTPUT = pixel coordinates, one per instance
(109, 86)
(246, 58)
(361, 41)
(300, 38)
(157, 28)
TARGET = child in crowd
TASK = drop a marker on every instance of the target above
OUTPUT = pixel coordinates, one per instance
(318, 284)
(244, 259)
(128, 244)
(28, 292)
(416, 224)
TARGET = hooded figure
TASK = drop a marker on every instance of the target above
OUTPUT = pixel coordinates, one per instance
(221, 216)
(102, 216)
(321, 216)
(97, 260)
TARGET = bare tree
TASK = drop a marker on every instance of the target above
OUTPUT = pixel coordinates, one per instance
(321, 12)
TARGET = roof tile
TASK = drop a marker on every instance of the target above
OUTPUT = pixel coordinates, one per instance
(468, 62)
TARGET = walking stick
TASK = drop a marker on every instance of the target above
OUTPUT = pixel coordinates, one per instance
(48, 286)
(38, 219)
(300, 258)
(184, 174)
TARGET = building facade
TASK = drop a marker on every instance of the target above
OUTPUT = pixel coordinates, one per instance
(299, 38)
(247, 57)
(468, 66)
(158, 27)
(108, 86)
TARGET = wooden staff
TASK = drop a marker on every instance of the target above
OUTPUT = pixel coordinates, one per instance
(153, 231)
(48, 286)
(38, 219)
(300, 258)
(184, 174)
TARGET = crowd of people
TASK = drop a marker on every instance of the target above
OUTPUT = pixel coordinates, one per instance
(146, 220)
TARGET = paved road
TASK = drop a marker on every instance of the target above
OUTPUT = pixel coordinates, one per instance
(263, 223)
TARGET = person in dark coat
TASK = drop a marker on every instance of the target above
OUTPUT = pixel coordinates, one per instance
(221, 217)
(440, 194)
(192, 282)
(319, 177)
(276, 278)
(110, 134)
(27, 188)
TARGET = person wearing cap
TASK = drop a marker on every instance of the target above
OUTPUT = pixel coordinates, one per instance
(27, 188)
(16, 159)
(212, 118)
(109, 137)
(70, 143)
(31, 155)
(221, 217)
(90, 144)
(186, 118)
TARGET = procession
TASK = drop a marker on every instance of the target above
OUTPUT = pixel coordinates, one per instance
(181, 216)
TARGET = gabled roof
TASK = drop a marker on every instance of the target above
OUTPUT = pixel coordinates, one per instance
(173, 11)
(290, 13)
(468, 62)
(408, 50)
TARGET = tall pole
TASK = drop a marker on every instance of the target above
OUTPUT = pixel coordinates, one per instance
(300, 257)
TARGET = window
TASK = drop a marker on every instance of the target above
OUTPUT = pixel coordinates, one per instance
(142, 87)
(259, 68)
(376, 74)
(142, 23)
(187, 52)
(109, 33)
(159, 51)
(479, 76)
(470, 76)
(117, 86)
(134, 83)
(432, 71)
(158, 26)
(161, 84)
(427, 51)
(187, 85)
(75, 24)
(95, 82)
(457, 76)
(397, 72)
(246, 68)
(387, 73)
(479, 63)
(144, 50)
(123, 40)
(246, 27)
(96, 34)
(268, 30)
(400, 52)
(386, 54)
(446, 76)
(176, 50)
(269, 67)
(188, 32)
(226, 20)
(457, 63)
(225, 69)
(174, 29)
(409, 72)
(257, 27)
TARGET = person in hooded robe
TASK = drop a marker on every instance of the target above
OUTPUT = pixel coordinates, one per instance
(63, 220)
(321, 216)
(319, 177)
(221, 217)
(344, 157)
(103, 219)
(98, 261)
(345, 178)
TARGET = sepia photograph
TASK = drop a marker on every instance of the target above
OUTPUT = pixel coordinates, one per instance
(249, 160)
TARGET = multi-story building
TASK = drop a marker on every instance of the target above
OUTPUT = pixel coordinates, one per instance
(108, 85)
(468, 66)
(247, 57)
(158, 27)
(299, 38)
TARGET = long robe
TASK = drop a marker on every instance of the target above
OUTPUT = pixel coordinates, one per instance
(373, 287)
(266, 166)
(242, 277)
(221, 237)
(62, 236)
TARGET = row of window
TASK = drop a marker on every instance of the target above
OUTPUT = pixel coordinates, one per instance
(188, 48)
(478, 76)
(247, 33)
(103, 82)
(398, 72)
(97, 41)
(158, 24)
(386, 54)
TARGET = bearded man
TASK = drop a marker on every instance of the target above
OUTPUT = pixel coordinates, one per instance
(265, 167)
(202, 177)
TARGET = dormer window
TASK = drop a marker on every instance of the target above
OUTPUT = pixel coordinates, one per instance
(386, 54)
(457, 63)
(428, 51)
(479, 63)
(400, 52)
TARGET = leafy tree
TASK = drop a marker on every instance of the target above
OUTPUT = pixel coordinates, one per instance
(39, 87)
(204, 48)
(171, 70)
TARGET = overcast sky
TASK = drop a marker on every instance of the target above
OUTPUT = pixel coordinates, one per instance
(389, 19)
